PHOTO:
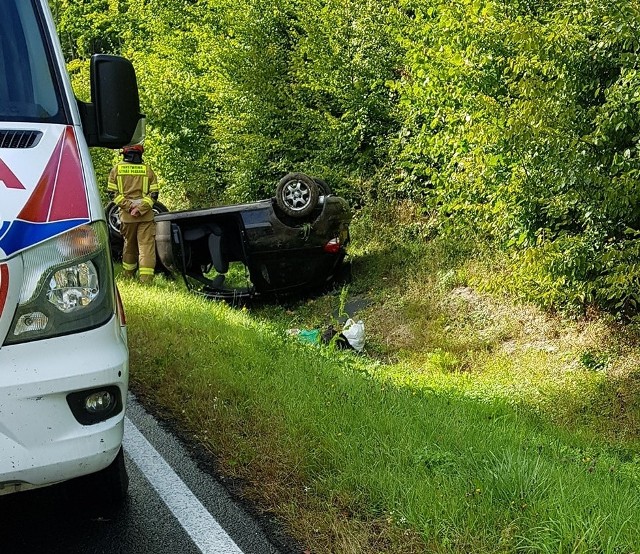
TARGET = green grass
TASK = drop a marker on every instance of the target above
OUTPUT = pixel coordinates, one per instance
(457, 444)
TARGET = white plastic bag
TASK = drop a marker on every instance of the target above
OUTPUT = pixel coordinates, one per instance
(354, 333)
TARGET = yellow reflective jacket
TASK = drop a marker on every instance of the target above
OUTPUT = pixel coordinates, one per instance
(132, 185)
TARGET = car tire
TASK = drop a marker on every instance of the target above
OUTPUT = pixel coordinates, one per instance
(297, 195)
(325, 189)
(344, 273)
(112, 214)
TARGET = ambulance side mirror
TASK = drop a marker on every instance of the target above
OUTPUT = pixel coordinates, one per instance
(113, 117)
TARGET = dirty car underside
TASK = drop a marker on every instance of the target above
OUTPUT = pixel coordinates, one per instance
(281, 249)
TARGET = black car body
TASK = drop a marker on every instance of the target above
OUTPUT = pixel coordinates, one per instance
(293, 242)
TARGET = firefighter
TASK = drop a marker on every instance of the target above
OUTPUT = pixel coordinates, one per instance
(135, 189)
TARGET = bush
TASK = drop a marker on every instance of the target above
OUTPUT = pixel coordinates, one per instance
(516, 122)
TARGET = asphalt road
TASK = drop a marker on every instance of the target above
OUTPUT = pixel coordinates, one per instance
(174, 506)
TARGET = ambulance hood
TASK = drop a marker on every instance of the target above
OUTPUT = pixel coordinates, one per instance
(42, 187)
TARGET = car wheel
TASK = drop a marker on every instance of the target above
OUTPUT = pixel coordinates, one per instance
(113, 218)
(344, 273)
(325, 189)
(297, 194)
(112, 214)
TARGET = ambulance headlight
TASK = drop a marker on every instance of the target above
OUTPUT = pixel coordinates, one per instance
(67, 286)
(74, 288)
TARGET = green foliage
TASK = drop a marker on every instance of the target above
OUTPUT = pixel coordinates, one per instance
(163, 40)
(520, 123)
(302, 85)
(90, 27)
(514, 122)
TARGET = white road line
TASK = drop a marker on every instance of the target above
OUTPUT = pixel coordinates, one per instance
(199, 524)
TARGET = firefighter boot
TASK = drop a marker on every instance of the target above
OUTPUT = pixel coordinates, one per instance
(128, 273)
(146, 278)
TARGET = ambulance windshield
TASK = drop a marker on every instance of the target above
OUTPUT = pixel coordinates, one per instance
(27, 83)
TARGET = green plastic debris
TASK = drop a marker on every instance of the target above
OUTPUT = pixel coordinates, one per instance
(309, 335)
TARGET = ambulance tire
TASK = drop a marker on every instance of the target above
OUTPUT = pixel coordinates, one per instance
(110, 485)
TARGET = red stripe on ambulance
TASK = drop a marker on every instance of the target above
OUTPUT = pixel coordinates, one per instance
(4, 285)
(8, 179)
(60, 193)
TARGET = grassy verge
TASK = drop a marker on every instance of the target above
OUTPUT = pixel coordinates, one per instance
(461, 431)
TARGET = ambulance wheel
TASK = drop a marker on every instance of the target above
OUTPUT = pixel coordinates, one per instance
(115, 479)
(109, 486)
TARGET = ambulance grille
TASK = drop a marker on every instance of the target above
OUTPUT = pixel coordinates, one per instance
(19, 139)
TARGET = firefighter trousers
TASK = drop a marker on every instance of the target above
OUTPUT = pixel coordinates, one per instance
(139, 246)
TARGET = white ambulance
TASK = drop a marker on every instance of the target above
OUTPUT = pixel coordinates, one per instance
(63, 349)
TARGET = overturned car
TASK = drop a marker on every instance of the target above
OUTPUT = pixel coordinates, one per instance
(294, 242)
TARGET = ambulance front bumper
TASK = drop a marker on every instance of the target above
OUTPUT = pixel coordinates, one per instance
(41, 440)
